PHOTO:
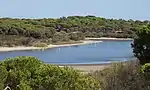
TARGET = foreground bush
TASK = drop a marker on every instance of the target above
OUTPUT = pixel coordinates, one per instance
(122, 76)
(29, 73)
(146, 72)
(141, 45)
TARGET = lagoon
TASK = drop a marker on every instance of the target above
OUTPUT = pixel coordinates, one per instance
(96, 53)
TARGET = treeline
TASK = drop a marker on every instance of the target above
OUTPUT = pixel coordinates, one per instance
(67, 28)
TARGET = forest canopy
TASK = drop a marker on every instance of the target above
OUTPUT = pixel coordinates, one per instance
(48, 30)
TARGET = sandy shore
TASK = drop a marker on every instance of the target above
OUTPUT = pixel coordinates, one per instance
(86, 68)
(87, 41)
(105, 38)
(19, 48)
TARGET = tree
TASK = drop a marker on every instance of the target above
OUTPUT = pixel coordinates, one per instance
(56, 78)
(29, 73)
(60, 37)
(76, 36)
(20, 69)
(3, 75)
(141, 44)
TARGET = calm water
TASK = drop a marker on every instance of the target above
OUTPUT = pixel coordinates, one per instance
(104, 52)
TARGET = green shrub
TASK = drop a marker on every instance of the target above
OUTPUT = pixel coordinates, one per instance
(141, 45)
(145, 69)
(76, 36)
(29, 73)
(40, 45)
(60, 37)
(56, 78)
(121, 76)
(11, 41)
(3, 76)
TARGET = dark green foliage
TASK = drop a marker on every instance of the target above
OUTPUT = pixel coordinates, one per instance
(122, 76)
(12, 40)
(3, 76)
(76, 36)
(29, 73)
(146, 72)
(55, 78)
(60, 37)
(75, 27)
(20, 69)
(141, 45)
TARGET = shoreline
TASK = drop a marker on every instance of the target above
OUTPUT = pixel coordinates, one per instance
(87, 68)
(84, 42)
(23, 48)
(106, 38)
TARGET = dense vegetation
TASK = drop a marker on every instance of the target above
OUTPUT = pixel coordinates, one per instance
(29, 73)
(141, 44)
(134, 75)
(15, 32)
(124, 76)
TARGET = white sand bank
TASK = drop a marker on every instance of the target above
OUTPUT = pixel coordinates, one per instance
(105, 38)
(2, 49)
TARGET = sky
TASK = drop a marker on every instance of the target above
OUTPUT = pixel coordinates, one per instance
(118, 9)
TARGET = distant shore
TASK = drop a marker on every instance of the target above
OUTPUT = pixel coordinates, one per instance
(22, 48)
(84, 42)
(105, 38)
